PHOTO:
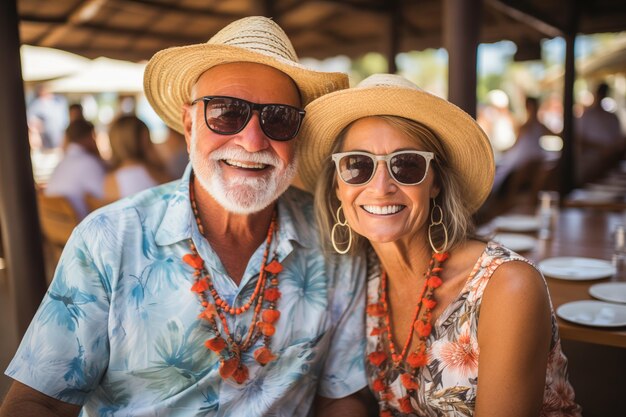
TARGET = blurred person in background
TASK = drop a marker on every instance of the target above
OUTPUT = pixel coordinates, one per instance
(551, 112)
(135, 163)
(81, 171)
(599, 137)
(526, 148)
(173, 152)
(75, 111)
(48, 117)
(496, 120)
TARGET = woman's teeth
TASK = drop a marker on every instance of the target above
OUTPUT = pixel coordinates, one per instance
(383, 209)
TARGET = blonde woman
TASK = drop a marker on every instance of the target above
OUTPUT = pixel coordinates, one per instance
(135, 164)
(455, 326)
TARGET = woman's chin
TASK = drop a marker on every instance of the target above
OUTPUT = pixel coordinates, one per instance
(381, 238)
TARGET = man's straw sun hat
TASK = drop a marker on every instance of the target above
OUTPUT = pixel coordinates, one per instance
(171, 73)
(467, 146)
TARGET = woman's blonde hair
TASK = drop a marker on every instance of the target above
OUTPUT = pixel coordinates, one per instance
(130, 140)
(456, 217)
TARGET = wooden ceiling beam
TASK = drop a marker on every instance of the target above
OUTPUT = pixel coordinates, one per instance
(374, 7)
(133, 55)
(168, 38)
(522, 13)
(332, 36)
(31, 18)
(114, 31)
(195, 11)
(84, 12)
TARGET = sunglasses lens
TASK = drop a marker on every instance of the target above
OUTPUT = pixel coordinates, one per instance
(356, 169)
(408, 168)
(280, 122)
(226, 115)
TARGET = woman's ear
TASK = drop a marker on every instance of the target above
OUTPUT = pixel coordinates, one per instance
(336, 184)
(434, 191)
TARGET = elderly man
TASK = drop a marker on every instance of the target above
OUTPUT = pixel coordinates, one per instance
(211, 296)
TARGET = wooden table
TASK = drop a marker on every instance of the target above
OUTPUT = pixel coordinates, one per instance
(596, 359)
(580, 198)
(580, 232)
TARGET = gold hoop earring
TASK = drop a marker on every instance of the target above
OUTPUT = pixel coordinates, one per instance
(437, 209)
(341, 224)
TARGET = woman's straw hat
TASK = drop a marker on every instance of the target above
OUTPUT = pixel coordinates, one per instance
(171, 73)
(467, 146)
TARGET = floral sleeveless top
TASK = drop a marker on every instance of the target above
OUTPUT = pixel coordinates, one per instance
(447, 384)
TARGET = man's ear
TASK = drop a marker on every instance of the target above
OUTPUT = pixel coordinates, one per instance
(187, 124)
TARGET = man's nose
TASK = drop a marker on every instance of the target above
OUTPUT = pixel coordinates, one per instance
(252, 138)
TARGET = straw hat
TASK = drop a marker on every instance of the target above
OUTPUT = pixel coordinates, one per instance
(172, 72)
(466, 145)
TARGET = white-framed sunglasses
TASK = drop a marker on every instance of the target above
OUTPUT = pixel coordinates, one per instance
(405, 167)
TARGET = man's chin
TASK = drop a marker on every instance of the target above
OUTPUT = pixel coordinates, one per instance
(243, 198)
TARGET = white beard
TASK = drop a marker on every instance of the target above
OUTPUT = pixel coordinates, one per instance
(242, 195)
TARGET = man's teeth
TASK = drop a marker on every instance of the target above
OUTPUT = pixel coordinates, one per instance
(247, 165)
(383, 209)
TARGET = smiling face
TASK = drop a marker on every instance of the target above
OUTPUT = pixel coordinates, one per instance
(244, 172)
(383, 210)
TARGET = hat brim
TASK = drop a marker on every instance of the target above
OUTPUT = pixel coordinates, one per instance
(171, 73)
(466, 144)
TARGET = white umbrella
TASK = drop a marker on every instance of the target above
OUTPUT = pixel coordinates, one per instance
(103, 75)
(42, 64)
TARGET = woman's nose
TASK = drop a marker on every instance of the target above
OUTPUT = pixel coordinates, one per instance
(382, 181)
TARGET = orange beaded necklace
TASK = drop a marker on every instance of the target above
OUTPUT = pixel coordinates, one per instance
(387, 367)
(266, 290)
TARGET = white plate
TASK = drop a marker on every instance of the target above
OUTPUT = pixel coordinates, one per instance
(614, 292)
(517, 223)
(614, 189)
(515, 241)
(594, 196)
(593, 313)
(576, 269)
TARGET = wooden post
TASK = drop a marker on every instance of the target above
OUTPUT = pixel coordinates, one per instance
(395, 33)
(269, 10)
(568, 153)
(21, 235)
(461, 25)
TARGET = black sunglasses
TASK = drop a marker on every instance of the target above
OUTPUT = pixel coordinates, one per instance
(405, 167)
(229, 115)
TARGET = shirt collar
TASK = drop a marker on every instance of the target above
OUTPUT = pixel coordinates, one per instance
(176, 222)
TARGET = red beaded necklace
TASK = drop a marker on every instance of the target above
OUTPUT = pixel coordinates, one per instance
(266, 290)
(407, 365)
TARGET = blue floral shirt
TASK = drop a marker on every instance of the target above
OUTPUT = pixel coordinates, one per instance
(118, 330)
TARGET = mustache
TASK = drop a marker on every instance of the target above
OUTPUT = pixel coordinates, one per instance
(261, 157)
